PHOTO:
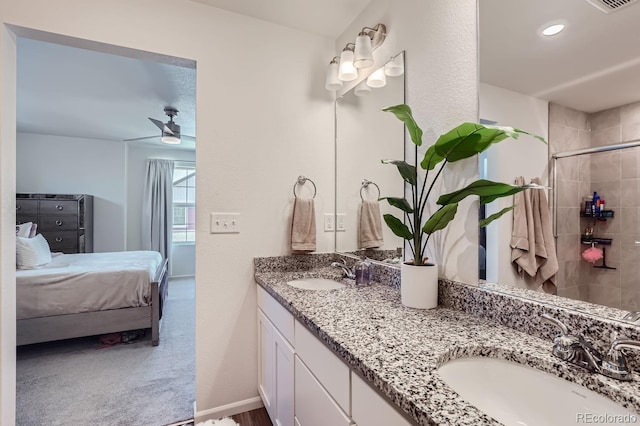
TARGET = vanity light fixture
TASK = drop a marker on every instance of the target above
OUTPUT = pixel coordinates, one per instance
(333, 82)
(552, 29)
(354, 56)
(362, 89)
(395, 66)
(377, 78)
(347, 71)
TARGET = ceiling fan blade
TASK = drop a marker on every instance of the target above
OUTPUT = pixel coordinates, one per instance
(161, 126)
(141, 139)
(188, 138)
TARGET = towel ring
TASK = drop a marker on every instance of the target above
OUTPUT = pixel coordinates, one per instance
(365, 184)
(301, 181)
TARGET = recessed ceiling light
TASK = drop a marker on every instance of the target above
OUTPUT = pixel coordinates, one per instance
(553, 29)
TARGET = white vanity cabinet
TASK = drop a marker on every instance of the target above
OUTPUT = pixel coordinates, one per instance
(303, 383)
(276, 359)
(369, 408)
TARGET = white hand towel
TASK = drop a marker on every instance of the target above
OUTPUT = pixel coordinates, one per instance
(370, 225)
(303, 225)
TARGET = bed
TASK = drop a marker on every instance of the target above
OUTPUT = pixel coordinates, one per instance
(77, 295)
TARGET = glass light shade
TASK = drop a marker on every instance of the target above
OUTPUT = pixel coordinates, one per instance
(362, 89)
(171, 140)
(333, 82)
(377, 78)
(347, 71)
(395, 67)
(363, 53)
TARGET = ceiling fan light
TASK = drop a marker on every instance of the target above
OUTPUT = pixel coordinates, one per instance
(170, 140)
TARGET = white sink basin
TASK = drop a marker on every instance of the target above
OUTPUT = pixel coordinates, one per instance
(516, 394)
(316, 284)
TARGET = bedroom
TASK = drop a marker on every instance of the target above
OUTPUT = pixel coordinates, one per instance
(75, 108)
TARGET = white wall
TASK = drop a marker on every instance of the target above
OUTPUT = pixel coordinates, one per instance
(440, 41)
(526, 157)
(64, 165)
(7, 226)
(261, 122)
(183, 256)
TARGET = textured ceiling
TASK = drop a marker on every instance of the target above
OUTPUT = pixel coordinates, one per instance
(594, 64)
(68, 91)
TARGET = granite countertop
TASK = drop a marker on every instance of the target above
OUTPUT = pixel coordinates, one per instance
(399, 349)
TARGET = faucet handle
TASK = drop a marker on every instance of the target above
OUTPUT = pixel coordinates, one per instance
(615, 363)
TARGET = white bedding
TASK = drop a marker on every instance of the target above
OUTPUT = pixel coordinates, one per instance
(87, 282)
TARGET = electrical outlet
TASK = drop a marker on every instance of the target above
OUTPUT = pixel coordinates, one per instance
(340, 219)
(329, 222)
(225, 223)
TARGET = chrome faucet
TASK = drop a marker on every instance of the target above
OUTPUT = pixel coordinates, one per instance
(632, 316)
(348, 273)
(578, 351)
(574, 349)
(615, 363)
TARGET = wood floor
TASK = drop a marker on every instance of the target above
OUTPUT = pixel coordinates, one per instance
(257, 417)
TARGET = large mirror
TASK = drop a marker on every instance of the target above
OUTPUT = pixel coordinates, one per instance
(580, 88)
(364, 136)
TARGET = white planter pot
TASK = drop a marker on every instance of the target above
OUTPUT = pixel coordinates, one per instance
(419, 286)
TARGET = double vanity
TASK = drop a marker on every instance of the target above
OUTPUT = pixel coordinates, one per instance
(355, 354)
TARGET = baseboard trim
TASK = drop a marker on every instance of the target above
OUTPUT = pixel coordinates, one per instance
(228, 410)
(181, 276)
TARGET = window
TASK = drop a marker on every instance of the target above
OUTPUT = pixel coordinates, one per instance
(184, 203)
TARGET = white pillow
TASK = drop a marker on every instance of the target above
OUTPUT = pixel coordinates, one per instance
(24, 229)
(32, 252)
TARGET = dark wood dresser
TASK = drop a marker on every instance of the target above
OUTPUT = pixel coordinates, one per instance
(65, 220)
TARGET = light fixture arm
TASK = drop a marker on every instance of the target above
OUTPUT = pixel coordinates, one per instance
(377, 34)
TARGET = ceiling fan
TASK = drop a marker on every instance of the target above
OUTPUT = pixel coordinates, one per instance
(170, 130)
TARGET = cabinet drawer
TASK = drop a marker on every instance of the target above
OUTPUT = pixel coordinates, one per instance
(64, 241)
(26, 207)
(277, 314)
(54, 223)
(313, 405)
(371, 409)
(58, 207)
(326, 367)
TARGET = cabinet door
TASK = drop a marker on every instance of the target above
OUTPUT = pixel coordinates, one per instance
(371, 409)
(284, 381)
(266, 370)
(313, 405)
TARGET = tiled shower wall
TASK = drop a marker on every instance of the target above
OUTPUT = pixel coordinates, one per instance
(616, 177)
(569, 130)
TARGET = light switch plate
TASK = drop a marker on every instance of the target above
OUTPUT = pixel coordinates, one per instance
(225, 223)
(340, 219)
(329, 222)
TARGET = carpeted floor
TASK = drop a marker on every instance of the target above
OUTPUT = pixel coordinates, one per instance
(74, 383)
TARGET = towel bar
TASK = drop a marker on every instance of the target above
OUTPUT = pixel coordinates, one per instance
(365, 184)
(301, 181)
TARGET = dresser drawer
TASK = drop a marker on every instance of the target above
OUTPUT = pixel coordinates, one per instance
(58, 223)
(58, 207)
(64, 241)
(20, 218)
(26, 207)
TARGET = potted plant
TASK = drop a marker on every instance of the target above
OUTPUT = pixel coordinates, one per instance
(419, 279)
